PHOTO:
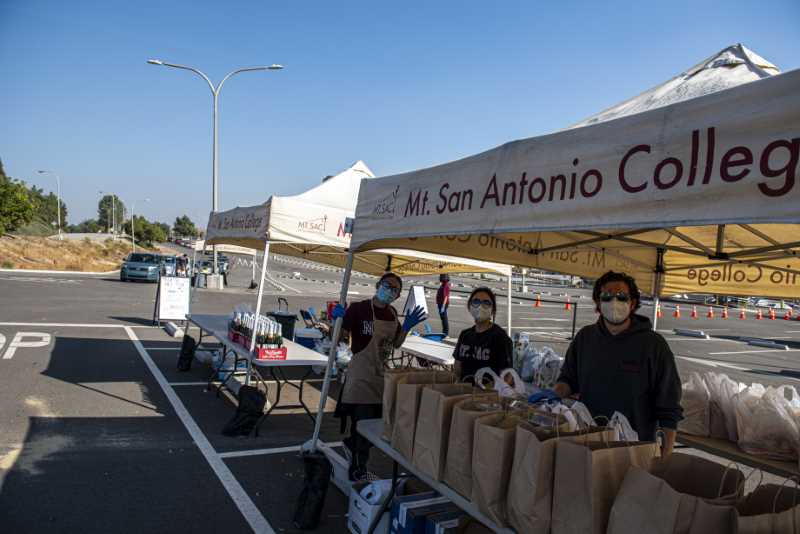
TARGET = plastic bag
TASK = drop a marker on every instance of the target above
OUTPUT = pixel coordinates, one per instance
(722, 414)
(767, 423)
(695, 403)
(547, 368)
(623, 431)
(502, 388)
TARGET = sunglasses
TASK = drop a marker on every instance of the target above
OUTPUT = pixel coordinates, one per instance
(394, 289)
(607, 297)
(480, 302)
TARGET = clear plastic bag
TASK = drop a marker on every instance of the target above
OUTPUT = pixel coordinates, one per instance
(722, 414)
(623, 431)
(767, 421)
(695, 402)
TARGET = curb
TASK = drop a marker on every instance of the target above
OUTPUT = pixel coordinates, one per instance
(37, 271)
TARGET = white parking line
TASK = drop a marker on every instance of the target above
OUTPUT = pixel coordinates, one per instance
(754, 351)
(715, 363)
(188, 383)
(542, 319)
(243, 502)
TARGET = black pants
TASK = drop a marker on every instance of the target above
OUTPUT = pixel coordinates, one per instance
(445, 322)
(358, 445)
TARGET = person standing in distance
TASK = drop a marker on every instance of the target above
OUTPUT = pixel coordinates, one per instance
(443, 302)
(485, 344)
(620, 364)
(374, 331)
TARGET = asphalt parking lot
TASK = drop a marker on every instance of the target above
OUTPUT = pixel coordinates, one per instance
(99, 432)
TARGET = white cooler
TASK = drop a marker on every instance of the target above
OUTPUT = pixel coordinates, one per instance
(307, 337)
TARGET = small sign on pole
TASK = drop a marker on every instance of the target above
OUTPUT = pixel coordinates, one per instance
(172, 299)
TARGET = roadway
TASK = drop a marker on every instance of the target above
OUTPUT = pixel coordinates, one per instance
(99, 432)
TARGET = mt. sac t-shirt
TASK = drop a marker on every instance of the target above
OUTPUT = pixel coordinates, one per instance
(359, 322)
(492, 348)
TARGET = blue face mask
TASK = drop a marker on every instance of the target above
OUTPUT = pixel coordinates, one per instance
(385, 295)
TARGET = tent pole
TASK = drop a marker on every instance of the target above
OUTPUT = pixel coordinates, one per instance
(337, 330)
(258, 309)
(657, 281)
(509, 304)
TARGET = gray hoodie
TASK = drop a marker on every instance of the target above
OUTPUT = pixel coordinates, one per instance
(632, 372)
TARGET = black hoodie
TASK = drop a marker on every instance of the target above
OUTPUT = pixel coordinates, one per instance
(632, 372)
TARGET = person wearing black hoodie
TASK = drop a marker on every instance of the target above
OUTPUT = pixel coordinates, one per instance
(621, 364)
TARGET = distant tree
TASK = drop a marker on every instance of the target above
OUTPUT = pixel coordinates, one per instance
(165, 228)
(16, 208)
(145, 231)
(110, 212)
(184, 227)
(89, 226)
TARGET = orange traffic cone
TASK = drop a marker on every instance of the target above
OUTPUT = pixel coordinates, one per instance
(658, 311)
(538, 301)
(568, 305)
(710, 314)
(759, 315)
(771, 314)
(694, 312)
(677, 312)
(742, 314)
(788, 315)
(725, 312)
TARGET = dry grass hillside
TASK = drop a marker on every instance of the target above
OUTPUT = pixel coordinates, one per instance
(27, 252)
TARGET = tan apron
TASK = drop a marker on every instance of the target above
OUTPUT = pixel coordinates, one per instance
(364, 383)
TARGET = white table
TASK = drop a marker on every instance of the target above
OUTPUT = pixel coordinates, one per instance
(434, 351)
(372, 429)
(216, 326)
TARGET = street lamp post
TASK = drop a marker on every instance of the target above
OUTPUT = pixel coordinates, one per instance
(215, 150)
(58, 206)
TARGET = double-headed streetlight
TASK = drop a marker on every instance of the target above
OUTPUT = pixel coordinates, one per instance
(215, 151)
(58, 207)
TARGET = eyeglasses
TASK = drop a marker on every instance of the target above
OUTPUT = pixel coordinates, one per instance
(622, 297)
(480, 302)
(394, 289)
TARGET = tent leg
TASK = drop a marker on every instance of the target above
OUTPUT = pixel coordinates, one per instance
(253, 276)
(337, 330)
(657, 282)
(509, 305)
(656, 302)
(258, 310)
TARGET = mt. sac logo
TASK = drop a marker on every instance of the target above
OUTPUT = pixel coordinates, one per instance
(314, 225)
(384, 208)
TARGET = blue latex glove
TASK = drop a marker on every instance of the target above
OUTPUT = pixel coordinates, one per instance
(338, 311)
(546, 395)
(414, 318)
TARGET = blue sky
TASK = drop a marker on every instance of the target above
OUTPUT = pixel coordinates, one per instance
(401, 85)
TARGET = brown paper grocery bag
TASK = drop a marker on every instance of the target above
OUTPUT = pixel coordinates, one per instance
(433, 425)
(407, 400)
(714, 482)
(770, 509)
(458, 461)
(646, 503)
(587, 479)
(492, 456)
(530, 488)
(392, 377)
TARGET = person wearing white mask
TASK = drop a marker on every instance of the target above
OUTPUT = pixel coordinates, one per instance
(485, 344)
(374, 331)
(620, 364)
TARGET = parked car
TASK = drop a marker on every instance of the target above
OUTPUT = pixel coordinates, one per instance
(770, 303)
(141, 266)
(169, 265)
(205, 267)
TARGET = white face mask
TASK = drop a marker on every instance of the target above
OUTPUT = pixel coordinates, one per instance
(481, 313)
(614, 311)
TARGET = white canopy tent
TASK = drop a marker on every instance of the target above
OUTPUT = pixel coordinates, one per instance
(695, 191)
(314, 225)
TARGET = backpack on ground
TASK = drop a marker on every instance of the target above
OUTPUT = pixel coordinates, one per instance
(249, 411)
(188, 347)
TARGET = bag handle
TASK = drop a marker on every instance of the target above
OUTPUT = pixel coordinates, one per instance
(796, 481)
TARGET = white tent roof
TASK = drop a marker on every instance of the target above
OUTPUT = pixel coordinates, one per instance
(728, 68)
(311, 225)
(691, 187)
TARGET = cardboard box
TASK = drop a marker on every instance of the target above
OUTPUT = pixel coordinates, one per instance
(446, 522)
(405, 519)
(417, 517)
(361, 513)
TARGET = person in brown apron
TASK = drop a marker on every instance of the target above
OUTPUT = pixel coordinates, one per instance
(374, 331)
